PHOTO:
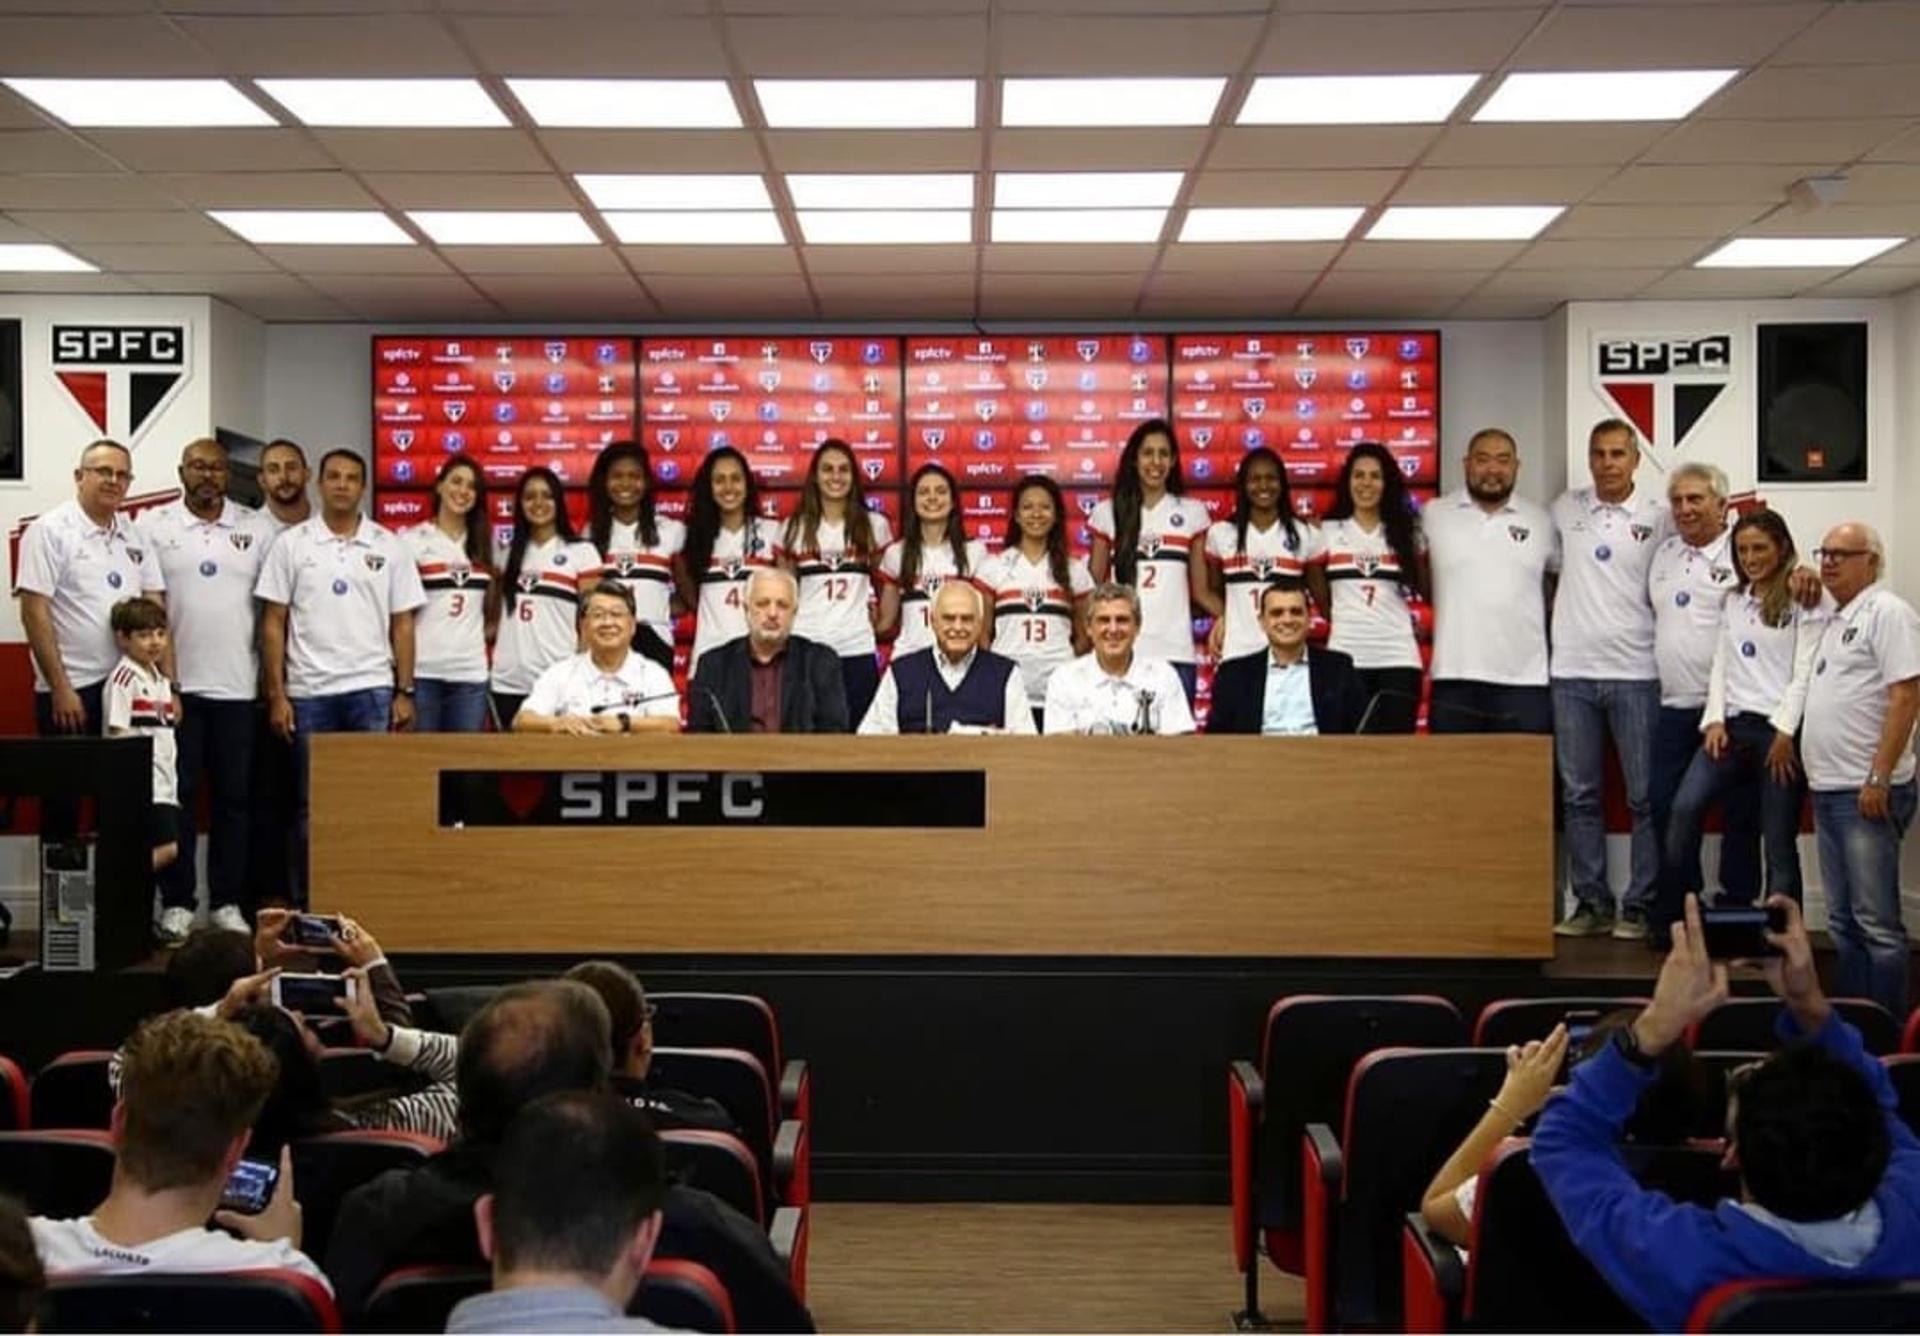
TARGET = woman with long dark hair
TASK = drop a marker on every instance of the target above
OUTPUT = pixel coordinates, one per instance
(1261, 542)
(538, 603)
(726, 541)
(831, 543)
(1038, 589)
(451, 632)
(1374, 560)
(932, 548)
(1149, 535)
(636, 546)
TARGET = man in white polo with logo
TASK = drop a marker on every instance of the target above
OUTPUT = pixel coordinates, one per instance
(75, 562)
(1857, 745)
(210, 551)
(1605, 682)
(608, 687)
(336, 634)
(1113, 688)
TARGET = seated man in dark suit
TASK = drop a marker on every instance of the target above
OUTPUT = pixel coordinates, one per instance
(953, 685)
(1287, 690)
(632, 1017)
(769, 680)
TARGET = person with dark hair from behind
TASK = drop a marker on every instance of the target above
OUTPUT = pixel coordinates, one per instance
(1829, 1174)
(22, 1278)
(631, 1015)
(573, 1218)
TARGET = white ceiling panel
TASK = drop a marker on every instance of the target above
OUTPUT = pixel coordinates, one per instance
(1328, 303)
(1834, 142)
(533, 260)
(103, 284)
(1307, 188)
(1542, 145)
(1617, 253)
(163, 226)
(1502, 308)
(49, 151)
(293, 310)
(471, 190)
(1703, 185)
(131, 257)
(901, 296)
(1462, 41)
(301, 46)
(135, 45)
(652, 150)
(1059, 300)
(434, 150)
(16, 113)
(1608, 221)
(228, 285)
(1735, 284)
(1661, 36)
(839, 47)
(1420, 258)
(1905, 148)
(1433, 283)
(1905, 257)
(1883, 183)
(426, 288)
(1872, 34)
(266, 190)
(1500, 185)
(843, 261)
(1090, 149)
(874, 150)
(325, 261)
(1569, 284)
(744, 261)
(229, 150)
(1841, 220)
(1066, 46)
(544, 47)
(1334, 146)
(1807, 93)
(685, 296)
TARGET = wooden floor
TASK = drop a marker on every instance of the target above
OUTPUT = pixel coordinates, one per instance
(977, 1267)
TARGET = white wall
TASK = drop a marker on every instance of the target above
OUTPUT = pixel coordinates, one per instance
(238, 368)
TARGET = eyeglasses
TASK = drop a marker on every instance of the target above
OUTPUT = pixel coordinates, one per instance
(204, 466)
(108, 473)
(648, 1012)
(604, 615)
(1826, 554)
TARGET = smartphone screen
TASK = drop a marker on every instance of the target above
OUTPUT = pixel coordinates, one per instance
(310, 994)
(312, 930)
(1739, 932)
(250, 1187)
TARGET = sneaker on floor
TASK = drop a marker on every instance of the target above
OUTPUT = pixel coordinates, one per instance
(1632, 926)
(174, 926)
(1586, 921)
(229, 919)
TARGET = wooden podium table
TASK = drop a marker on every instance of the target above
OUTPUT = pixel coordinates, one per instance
(1221, 847)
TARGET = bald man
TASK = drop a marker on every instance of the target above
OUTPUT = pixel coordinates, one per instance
(952, 686)
(769, 680)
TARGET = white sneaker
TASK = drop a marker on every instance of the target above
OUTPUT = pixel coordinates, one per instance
(174, 926)
(230, 919)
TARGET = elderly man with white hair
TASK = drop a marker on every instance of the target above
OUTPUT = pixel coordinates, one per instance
(769, 680)
(1857, 747)
(953, 685)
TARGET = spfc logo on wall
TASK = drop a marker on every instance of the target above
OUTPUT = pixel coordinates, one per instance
(1664, 386)
(121, 376)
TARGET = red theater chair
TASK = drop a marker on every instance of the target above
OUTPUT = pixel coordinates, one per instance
(16, 1106)
(734, 1020)
(1307, 1052)
(1517, 1020)
(1747, 1022)
(683, 1296)
(73, 1091)
(58, 1173)
(719, 1163)
(1407, 1110)
(234, 1301)
(739, 1082)
(1903, 1069)
(1796, 1306)
(326, 1168)
(1910, 1035)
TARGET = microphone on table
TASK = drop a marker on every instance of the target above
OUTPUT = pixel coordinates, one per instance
(719, 710)
(928, 726)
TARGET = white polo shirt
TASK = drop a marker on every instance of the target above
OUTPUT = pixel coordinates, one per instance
(578, 686)
(211, 568)
(1762, 669)
(139, 701)
(836, 585)
(1272, 554)
(1688, 587)
(1602, 621)
(1168, 530)
(450, 634)
(74, 1248)
(84, 569)
(1083, 698)
(1489, 604)
(340, 595)
(646, 569)
(1867, 647)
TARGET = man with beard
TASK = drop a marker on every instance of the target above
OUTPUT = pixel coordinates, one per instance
(210, 550)
(1492, 555)
(283, 477)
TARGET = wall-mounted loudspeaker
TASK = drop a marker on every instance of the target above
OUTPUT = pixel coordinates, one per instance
(1812, 403)
(12, 433)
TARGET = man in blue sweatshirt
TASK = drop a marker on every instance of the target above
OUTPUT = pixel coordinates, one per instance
(1829, 1175)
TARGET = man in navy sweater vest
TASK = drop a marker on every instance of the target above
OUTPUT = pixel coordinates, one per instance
(953, 686)
(1829, 1174)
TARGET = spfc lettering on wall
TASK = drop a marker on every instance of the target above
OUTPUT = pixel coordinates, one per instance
(1663, 385)
(121, 376)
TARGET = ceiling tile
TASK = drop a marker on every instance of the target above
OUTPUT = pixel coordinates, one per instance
(541, 47)
(874, 150)
(1340, 304)
(129, 225)
(16, 113)
(1871, 281)
(534, 260)
(1906, 148)
(318, 46)
(1906, 257)
(847, 48)
(653, 150)
(1063, 46)
(1272, 288)
(1061, 300)
(1856, 35)
(1343, 43)
(1703, 185)
(1660, 36)
(1690, 284)
(1303, 188)
(1606, 221)
(434, 150)
(1841, 220)
(1614, 253)
(226, 285)
(354, 289)
(1499, 185)
(560, 293)
(1336, 146)
(1224, 304)
(267, 190)
(98, 191)
(15, 232)
(1146, 148)
(49, 151)
(256, 149)
(1561, 285)
(1502, 308)
(828, 261)
(740, 260)
(74, 283)
(468, 306)
(135, 257)
(1387, 286)
(135, 45)
(1832, 142)
(1421, 257)
(294, 310)
(327, 260)
(1809, 93)
(899, 296)
(1541, 145)
(1883, 183)
(471, 190)
(1043, 258)
(685, 297)
(1253, 260)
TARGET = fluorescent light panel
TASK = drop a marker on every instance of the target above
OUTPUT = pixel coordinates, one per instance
(409, 104)
(866, 104)
(138, 103)
(886, 190)
(628, 104)
(1359, 99)
(886, 227)
(664, 191)
(1078, 225)
(1274, 224)
(312, 227)
(1602, 95)
(1084, 190)
(1072, 102)
(729, 228)
(1504, 222)
(1797, 252)
(525, 227)
(34, 258)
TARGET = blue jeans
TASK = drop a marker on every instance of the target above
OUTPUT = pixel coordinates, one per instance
(1676, 742)
(1860, 864)
(215, 740)
(1585, 711)
(365, 711)
(1739, 775)
(448, 707)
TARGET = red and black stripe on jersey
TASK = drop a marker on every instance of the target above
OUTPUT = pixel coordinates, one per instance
(1244, 570)
(920, 592)
(445, 575)
(554, 583)
(639, 566)
(1169, 547)
(732, 569)
(1052, 601)
(1364, 566)
(144, 713)
(808, 565)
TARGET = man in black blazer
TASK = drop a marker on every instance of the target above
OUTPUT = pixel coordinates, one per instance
(1332, 700)
(769, 680)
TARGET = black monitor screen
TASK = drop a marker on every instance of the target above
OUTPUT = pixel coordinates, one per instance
(12, 423)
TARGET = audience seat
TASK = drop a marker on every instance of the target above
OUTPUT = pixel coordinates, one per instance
(1516, 1020)
(1406, 1112)
(326, 1168)
(16, 1101)
(1903, 1069)
(739, 1082)
(1796, 1306)
(718, 1163)
(1719, 1064)
(239, 1301)
(681, 1295)
(1910, 1036)
(1307, 1052)
(58, 1173)
(449, 1009)
(1747, 1022)
(73, 1091)
(734, 1020)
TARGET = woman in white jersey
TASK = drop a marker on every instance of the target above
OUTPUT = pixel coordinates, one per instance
(932, 548)
(450, 633)
(1374, 559)
(1261, 542)
(831, 543)
(546, 566)
(1150, 536)
(1755, 695)
(1038, 591)
(726, 540)
(636, 546)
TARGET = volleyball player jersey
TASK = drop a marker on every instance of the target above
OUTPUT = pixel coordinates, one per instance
(1272, 554)
(542, 626)
(916, 603)
(647, 569)
(722, 614)
(450, 634)
(835, 585)
(1372, 622)
(1032, 614)
(1168, 530)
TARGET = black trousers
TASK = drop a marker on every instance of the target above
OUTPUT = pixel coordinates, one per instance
(60, 817)
(216, 741)
(1393, 698)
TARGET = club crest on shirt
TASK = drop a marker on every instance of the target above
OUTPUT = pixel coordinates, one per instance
(1518, 533)
(241, 541)
(1720, 574)
(1641, 532)
(528, 582)
(460, 574)
(1366, 565)
(1150, 545)
(1262, 566)
(734, 567)
(1847, 636)
(1035, 599)
(833, 560)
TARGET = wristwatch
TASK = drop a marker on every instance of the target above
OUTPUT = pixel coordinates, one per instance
(626, 722)
(1875, 780)
(1627, 1043)
(403, 691)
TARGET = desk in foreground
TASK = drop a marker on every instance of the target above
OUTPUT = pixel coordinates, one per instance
(1369, 846)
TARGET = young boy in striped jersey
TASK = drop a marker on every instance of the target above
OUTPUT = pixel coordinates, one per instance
(139, 702)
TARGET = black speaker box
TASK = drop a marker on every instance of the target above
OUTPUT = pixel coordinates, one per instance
(1812, 403)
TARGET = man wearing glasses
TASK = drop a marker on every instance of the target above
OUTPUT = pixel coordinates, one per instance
(76, 561)
(608, 687)
(1857, 746)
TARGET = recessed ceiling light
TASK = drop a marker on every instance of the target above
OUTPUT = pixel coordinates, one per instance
(885, 190)
(411, 104)
(522, 227)
(1078, 225)
(1084, 190)
(133, 103)
(866, 104)
(1503, 222)
(312, 227)
(886, 227)
(34, 258)
(1274, 224)
(1043, 102)
(1355, 99)
(628, 104)
(655, 191)
(1602, 95)
(1797, 252)
(732, 228)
